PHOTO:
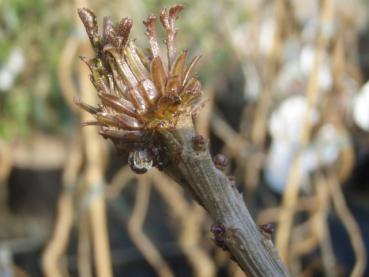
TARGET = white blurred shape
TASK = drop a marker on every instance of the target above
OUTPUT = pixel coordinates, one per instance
(328, 144)
(324, 150)
(285, 127)
(6, 79)
(252, 85)
(266, 37)
(16, 61)
(278, 164)
(361, 108)
(287, 120)
(307, 58)
(10, 70)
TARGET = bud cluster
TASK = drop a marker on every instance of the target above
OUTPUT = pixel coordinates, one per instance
(139, 93)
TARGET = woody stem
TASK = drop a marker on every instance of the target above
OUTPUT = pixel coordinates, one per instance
(193, 168)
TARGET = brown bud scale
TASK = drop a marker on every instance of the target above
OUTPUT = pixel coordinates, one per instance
(139, 94)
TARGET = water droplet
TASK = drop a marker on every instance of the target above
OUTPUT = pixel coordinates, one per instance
(140, 161)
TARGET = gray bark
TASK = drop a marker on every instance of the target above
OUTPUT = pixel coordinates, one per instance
(193, 168)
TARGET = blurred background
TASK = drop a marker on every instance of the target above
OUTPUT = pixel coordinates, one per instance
(288, 104)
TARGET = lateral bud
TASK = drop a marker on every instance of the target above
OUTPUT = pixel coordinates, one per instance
(220, 162)
(267, 229)
(219, 233)
(199, 143)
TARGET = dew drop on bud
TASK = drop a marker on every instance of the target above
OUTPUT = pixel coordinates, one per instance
(140, 161)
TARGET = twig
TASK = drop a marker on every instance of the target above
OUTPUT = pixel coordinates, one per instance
(67, 57)
(153, 121)
(234, 142)
(272, 214)
(84, 246)
(135, 225)
(350, 225)
(5, 168)
(259, 125)
(193, 168)
(93, 174)
(304, 238)
(190, 241)
(57, 245)
(322, 229)
(290, 195)
(190, 224)
(119, 182)
(235, 270)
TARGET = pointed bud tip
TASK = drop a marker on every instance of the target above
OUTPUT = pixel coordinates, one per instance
(85, 13)
(150, 20)
(80, 11)
(85, 10)
(175, 10)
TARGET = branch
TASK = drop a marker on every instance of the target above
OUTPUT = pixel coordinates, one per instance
(234, 230)
(147, 110)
